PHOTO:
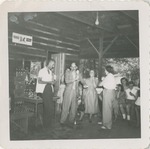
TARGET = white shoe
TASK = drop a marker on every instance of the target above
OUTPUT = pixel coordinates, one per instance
(103, 127)
(128, 117)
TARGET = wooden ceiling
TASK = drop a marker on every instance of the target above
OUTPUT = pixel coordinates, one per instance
(70, 32)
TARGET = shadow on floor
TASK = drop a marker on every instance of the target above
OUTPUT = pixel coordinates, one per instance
(83, 130)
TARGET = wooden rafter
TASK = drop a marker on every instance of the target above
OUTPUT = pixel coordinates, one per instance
(131, 42)
(44, 26)
(111, 43)
(93, 46)
(130, 16)
(75, 18)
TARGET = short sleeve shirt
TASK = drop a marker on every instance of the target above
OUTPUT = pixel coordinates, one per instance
(133, 91)
(109, 82)
(45, 75)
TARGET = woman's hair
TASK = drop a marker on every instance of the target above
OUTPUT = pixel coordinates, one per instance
(88, 74)
(122, 89)
(124, 79)
(109, 69)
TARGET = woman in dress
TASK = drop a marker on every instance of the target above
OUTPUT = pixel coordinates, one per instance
(90, 95)
(109, 95)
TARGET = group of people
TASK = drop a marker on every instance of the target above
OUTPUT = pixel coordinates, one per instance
(124, 96)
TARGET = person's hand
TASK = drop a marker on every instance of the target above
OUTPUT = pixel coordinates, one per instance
(132, 94)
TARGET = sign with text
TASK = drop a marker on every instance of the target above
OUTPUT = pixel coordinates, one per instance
(21, 39)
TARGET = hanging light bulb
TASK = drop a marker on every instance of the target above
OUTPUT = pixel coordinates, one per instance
(97, 20)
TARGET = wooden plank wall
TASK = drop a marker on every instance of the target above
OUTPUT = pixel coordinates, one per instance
(45, 38)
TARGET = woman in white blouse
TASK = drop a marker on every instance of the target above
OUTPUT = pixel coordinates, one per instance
(109, 85)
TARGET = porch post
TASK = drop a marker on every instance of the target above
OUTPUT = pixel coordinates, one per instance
(100, 56)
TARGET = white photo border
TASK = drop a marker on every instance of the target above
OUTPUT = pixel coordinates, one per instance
(47, 6)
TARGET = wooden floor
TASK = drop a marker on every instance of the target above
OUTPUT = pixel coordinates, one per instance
(83, 130)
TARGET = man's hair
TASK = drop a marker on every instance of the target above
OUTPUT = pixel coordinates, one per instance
(109, 69)
(49, 60)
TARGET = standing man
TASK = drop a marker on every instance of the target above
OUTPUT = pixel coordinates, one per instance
(109, 95)
(45, 82)
(69, 106)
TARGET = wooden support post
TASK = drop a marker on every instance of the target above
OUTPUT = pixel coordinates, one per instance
(100, 57)
(23, 61)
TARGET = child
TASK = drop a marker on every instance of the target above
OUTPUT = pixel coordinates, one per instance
(121, 97)
(131, 96)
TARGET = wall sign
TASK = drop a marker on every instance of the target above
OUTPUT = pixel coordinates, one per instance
(21, 39)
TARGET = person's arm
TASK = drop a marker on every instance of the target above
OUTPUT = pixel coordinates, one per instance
(40, 81)
(96, 82)
(40, 78)
(102, 82)
(134, 95)
(126, 94)
(68, 79)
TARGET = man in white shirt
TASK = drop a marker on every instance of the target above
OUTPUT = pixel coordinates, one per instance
(109, 94)
(131, 95)
(45, 82)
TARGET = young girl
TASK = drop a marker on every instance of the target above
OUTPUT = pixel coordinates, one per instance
(131, 96)
(121, 97)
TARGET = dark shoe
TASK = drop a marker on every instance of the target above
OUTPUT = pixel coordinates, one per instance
(62, 125)
(90, 121)
(129, 122)
(70, 125)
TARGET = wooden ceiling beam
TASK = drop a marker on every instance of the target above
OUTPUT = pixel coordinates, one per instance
(83, 21)
(110, 55)
(108, 47)
(107, 37)
(43, 26)
(44, 33)
(128, 14)
(27, 54)
(16, 56)
(93, 46)
(36, 43)
(43, 48)
(132, 42)
(58, 34)
(46, 38)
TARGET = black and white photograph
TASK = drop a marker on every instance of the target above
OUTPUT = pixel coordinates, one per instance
(77, 74)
